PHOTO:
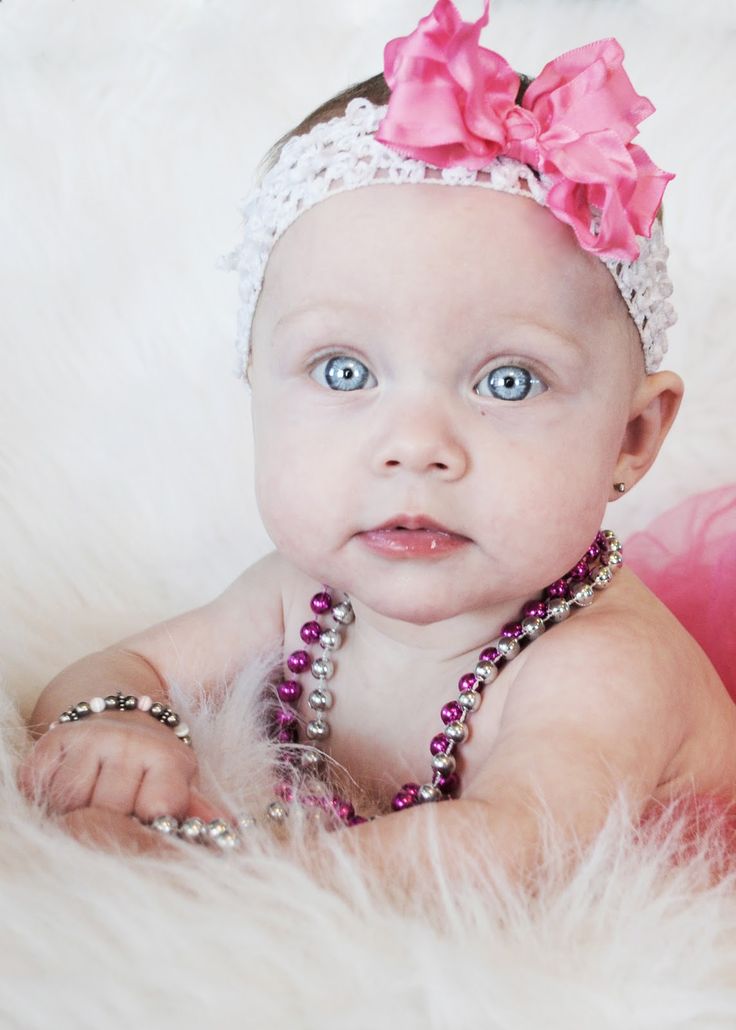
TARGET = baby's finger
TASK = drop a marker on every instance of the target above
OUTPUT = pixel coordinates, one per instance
(162, 791)
(200, 807)
(72, 780)
(116, 787)
(37, 768)
(113, 831)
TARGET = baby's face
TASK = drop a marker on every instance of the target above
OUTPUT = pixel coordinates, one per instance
(448, 352)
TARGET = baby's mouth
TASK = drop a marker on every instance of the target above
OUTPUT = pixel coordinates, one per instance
(412, 537)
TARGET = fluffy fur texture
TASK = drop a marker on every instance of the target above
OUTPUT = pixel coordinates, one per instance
(129, 133)
(630, 939)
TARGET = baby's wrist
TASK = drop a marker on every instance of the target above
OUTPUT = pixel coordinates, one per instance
(125, 704)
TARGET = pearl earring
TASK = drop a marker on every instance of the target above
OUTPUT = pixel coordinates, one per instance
(620, 488)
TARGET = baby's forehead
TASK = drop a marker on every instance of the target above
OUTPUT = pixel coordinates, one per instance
(446, 249)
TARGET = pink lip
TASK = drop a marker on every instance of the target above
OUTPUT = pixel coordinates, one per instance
(419, 537)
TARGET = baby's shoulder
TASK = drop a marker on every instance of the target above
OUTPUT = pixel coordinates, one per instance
(625, 662)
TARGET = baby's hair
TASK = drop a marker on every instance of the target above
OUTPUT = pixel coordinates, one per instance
(374, 89)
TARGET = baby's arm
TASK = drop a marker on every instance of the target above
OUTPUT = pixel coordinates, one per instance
(128, 762)
(590, 711)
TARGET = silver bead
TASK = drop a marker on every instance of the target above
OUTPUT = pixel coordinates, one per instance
(216, 828)
(331, 639)
(343, 613)
(322, 668)
(444, 763)
(245, 823)
(193, 829)
(558, 608)
(428, 792)
(318, 729)
(277, 812)
(486, 672)
(228, 840)
(583, 595)
(311, 759)
(64, 717)
(533, 627)
(320, 700)
(508, 647)
(165, 824)
(469, 700)
(82, 709)
(602, 578)
(457, 732)
(615, 561)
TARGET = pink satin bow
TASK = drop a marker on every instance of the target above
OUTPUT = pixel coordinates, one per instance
(453, 102)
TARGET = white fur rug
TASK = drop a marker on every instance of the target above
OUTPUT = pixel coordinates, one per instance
(632, 941)
(129, 131)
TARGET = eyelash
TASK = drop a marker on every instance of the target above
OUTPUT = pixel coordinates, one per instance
(534, 378)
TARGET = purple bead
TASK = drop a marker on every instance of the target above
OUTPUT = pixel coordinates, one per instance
(593, 551)
(321, 603)
(557, 589)
(285, 791)
(490, 654)
(285, 717)
(402, 800)
(343, 809)
(289, 691)
(534, 610)
(467, 682)
(410, 788)
(287, 735)
(357, 820)
(512, 629)
(448, 784)
(439, 744)
(298, 661)
(310, 632)
(580, 571)
(451, 712)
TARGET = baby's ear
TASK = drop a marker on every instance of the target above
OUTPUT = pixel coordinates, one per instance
(653, 408)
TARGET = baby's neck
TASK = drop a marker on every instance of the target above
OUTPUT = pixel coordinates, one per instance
(436, 643)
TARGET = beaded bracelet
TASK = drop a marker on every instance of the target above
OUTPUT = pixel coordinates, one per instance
(126, 703)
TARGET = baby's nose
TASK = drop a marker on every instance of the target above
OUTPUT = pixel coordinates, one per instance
(421, 439)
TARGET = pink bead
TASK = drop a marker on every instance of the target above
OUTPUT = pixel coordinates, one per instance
(448, 784)
(490, 654)
(534, 610)
(298, 661)
(285, 718)
(402, 800)
(439, 744)
(580, 571)
(467, 682)
(512, 629)
(310, 632)
(285, 791)
(343, 809)
(289, 691)
(410, 788)
(357, 820)
(287, 736)
(321, 603)
(557, 589)
(451, 712)
(593, 551)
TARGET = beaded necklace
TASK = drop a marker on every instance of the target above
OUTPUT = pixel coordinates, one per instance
(576, 589)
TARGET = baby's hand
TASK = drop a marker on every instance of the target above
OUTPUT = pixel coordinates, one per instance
(121, 761)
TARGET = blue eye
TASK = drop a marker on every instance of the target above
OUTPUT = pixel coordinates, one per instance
(510, 383)
(343, 373)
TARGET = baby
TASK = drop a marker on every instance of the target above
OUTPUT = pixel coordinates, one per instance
(453, 312)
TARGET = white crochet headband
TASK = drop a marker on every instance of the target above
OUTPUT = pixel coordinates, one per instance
(343, 154)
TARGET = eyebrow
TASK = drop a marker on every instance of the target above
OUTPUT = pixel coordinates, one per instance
(320, 308)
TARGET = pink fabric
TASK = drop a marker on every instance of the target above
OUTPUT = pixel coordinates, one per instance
(687, 557)
(453, 102)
